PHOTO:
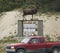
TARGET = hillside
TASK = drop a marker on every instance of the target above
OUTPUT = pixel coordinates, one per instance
(9, 23)
(42, 5)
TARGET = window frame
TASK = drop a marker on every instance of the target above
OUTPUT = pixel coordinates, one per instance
(41, 41)
(32, 42)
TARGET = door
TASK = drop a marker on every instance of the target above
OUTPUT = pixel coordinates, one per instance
(42, 45)
(33, 45)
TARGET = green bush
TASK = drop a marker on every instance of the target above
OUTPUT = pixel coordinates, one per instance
(44, 5)
(48, 39)
(9, 39)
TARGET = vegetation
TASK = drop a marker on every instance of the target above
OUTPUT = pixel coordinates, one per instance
(8, 40)
(48, 38)
(42, 5)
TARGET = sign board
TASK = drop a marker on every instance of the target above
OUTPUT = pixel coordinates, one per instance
(29, 27)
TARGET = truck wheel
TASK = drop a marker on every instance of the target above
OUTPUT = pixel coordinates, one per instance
(56, 50)
(20, 51)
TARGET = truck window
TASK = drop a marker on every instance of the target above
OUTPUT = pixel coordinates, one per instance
(25, 40)
(41, 40)
(34, 40)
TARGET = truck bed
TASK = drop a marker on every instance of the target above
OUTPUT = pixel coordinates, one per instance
(52, 44)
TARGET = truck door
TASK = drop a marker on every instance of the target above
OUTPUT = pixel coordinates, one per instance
(42, 45)
(33, 45)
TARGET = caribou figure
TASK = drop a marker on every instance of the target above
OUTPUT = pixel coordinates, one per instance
(29, 12)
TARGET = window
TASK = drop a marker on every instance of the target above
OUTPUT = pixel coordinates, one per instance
(42, 40)
(25, 40)
(34, 40)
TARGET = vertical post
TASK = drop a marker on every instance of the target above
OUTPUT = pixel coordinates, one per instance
(40, 27)
(32, 17)
(20, 28)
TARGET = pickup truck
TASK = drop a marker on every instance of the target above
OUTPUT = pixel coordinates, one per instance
(36, 44)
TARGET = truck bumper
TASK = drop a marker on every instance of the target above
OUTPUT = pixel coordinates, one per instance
(10, 51)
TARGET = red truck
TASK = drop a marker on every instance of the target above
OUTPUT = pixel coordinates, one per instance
(34, 44)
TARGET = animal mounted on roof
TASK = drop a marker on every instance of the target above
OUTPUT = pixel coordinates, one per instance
(29, 11)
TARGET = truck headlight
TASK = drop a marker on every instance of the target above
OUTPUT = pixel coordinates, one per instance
(12, 47)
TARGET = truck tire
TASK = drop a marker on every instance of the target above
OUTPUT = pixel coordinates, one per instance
(55, 50)
(20, 51)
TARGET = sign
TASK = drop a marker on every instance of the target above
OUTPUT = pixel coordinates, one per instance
(29, 27)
